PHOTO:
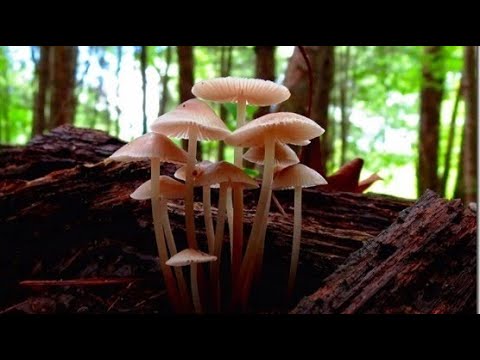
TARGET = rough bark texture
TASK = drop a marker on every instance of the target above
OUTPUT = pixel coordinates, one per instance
(430, 105)
(43, 78)
(62, 106)
(424, 263)
(316, 154)
(470, 155)
(81, 223)
(264, 69)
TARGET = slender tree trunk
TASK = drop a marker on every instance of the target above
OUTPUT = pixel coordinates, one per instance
(451, 136)
(143, 69)
(43, 75)
(118, 110)
(165, 78)
(225, 68)
(344, 101)
(470, 157)
(186, 82)
(431, 101)
(265, 69)
(62, 105)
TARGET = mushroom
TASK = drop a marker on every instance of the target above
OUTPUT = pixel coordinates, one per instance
(227, 175)
(192, 257)
(157, 148)
(193, 120)
(296, 177)
(242, 91)
(284, 127)
(207, 207)
(169, 189)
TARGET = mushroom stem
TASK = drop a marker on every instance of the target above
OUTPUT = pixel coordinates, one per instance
(255, 241)
(182, 285)
(170, 282)
(237, 245)
(207, 214)
(189, 214)
(297, 231)
(195, 295)
(215, 266)
(238, 154)
(230, 219)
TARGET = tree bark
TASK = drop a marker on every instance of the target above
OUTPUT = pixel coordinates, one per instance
(62, 106)
(424, 263)
(264, 69)
(143, 69)
(316, 154)
(186, 82)
(430, 105)
(470, 158)
(40, 96)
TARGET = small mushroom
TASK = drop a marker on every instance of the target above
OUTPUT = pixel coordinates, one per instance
(296, 177)
(193, 120)
(192, 257)
(227, 175)
(284, 127)
(169, 189)
(157, 148)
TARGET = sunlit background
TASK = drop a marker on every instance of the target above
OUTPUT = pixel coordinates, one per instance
(384, 112)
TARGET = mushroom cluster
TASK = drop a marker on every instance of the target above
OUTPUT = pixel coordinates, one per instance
(267, 138)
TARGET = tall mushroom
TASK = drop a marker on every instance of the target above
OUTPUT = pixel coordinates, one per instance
(193, 120)
(227, 175)
(157, 148)
(296, 177)
(241, 91)
(169, 189)
(284, 127)
(192, 257)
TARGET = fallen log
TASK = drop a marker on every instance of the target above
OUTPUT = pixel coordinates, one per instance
(425, 262)
(79, 222)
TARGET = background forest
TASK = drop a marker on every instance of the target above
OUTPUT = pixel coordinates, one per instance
(410, 112)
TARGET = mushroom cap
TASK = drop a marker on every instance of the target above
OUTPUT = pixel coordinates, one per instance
(169, 189)
(284, 155)
(150, 145)
(181, 172)
(284, 127)
(222, 172)
(189, 256)
(297, 175)
(229, 89)
(194, 114)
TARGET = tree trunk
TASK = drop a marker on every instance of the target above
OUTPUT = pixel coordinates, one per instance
(470, 156)
(344, 103)
(165, 78)
(430, 105)
(264, 69)
(316, 154)
(143, 69)
(42, 85)
(425, 263)
(118, 110)
(451, 136)
(62, 106)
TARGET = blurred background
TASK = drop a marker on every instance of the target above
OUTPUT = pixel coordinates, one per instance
(410, 112)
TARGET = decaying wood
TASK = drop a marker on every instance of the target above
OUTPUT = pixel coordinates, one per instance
(424, 263)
